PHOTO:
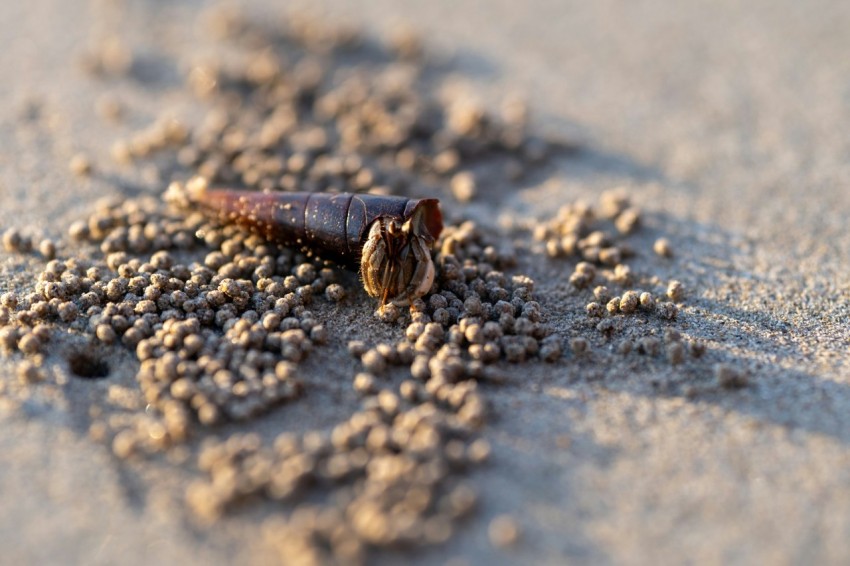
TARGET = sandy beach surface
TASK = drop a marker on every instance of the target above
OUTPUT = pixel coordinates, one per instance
(726, 122)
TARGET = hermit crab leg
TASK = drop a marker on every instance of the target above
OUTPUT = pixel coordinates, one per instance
(387, 238)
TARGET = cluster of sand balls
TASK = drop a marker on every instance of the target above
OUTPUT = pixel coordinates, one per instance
(217, 338)
(593, 234)
(393, 468)
(15, 241)
(393, 461)
(476, 317)
(633, 302)
(291, 112)
(221, 338)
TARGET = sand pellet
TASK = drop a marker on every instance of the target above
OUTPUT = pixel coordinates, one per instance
(503, 531)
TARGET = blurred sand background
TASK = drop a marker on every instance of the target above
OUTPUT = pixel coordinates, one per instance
(727, 120)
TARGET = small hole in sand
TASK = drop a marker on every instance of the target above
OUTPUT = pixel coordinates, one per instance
(87, 366)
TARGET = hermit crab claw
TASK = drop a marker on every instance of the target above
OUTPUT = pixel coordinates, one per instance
(396, 262)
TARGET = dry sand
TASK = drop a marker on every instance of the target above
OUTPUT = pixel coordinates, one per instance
(728, 123)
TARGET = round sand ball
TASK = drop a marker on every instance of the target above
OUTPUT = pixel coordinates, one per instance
(47, 249)
(595, 310)
(479, 451)
(121, 152)
(586, 268)
(675, 291)
(602, 294)
(627, 221)
(419, 368)
(388, 313)
(12, 240)
(612, 202)
(306, 273)
(463, 186)
(78, 230)
(553, 248)
(9, 336)
(662, 247)
(319, 334)
(365, 384)
(374, 362)
(578, 345)
(105, 333)
(335, 292)
(629, 302)
(623, 274)
(9, 300)
(357, 348)
(503, 531)
(29, 344)
(124, 444)
(409, 390)
(647, 301)
(80, 165)
(550, 350)
(610, 256)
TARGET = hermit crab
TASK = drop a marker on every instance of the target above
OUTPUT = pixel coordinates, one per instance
(388, 238)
